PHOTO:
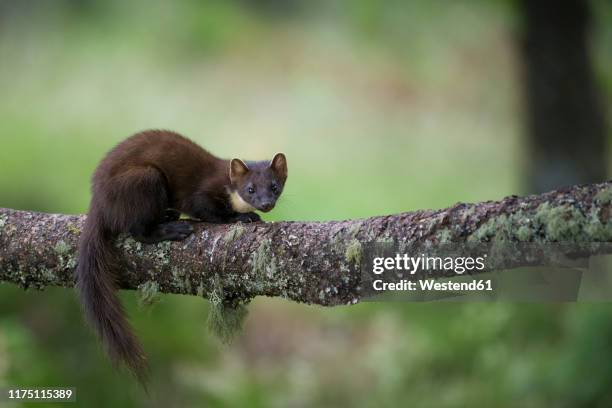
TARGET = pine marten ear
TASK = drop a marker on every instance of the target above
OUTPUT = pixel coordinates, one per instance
(238, 169)
(279, 165)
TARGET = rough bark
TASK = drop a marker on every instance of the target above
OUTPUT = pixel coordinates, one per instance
(310, 262)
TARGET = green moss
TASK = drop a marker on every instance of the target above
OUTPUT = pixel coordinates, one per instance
(61, 248)
(65, 256)
(354, 252)
(550, 223)
(263, 261)
(604, 196)
(215, 296)
(234, 233)
(3, 220)
(226, 318)
(524, 233)
(385, 240)
(200, 290)
(71, 262)
(47, 276)
(149, 293)
(321, 295)
(354, 229)
(560, 223)
(74, 229)
(596, 230)
(563, 223)
(126, 243)
(162, 251)
(468, 212)
(225, 322)
(178, 278)
(444, 236)
(485, 232)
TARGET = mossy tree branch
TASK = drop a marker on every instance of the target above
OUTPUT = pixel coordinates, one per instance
(309, 262)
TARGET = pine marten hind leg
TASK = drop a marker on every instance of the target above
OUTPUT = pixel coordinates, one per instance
(145, 207)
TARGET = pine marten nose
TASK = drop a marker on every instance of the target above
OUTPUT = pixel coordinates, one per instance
(267, 206)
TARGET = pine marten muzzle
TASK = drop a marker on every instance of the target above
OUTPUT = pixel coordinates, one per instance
(142, 187)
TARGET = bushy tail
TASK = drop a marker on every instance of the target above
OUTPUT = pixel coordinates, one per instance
(96, 283)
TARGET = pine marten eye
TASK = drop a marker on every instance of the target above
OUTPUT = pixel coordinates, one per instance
(251, 190)
(274, 188)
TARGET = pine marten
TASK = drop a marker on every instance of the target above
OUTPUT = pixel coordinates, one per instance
(142, 187)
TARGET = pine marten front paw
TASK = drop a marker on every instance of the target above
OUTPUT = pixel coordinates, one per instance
(171, 215)
(247, 217)
(176, 230)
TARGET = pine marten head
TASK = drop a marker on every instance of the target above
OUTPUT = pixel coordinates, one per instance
(257, 185)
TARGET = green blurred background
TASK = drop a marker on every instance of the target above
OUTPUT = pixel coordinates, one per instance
(380, 106)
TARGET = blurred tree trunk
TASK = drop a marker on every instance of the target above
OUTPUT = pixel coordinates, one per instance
(565, 122)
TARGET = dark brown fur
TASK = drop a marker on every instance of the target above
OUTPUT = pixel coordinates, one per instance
(141, 187)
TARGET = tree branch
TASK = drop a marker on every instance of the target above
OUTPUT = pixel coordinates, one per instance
(310, 262)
